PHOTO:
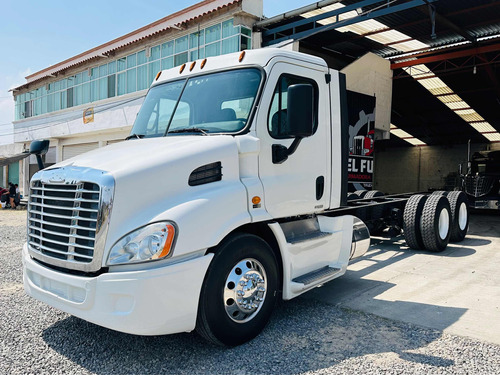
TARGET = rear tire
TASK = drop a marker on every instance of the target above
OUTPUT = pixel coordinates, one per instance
(352, 196)
(459, 215)
(435, 223)
(361, 193)
(373, 194)
(440, 192)
(239, 291)
(411, 221)
(377, 211)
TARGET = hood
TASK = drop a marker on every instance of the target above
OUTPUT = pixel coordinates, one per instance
(138, 154)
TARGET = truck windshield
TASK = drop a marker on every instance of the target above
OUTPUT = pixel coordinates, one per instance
(212, 103)
(486, 167)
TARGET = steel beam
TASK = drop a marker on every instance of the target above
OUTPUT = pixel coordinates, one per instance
(446, 56)
(312, 21)
(319, 17)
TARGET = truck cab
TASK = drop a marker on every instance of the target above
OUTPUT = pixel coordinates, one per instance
(221, 201)
(482, 182)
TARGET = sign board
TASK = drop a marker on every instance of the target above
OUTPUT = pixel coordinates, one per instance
(88, 115)
(361, 116)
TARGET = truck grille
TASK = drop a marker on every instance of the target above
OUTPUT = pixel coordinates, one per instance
(62, 220)
(478, 186)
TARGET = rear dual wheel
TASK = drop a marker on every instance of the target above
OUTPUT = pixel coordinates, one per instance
(427, 221)
(435, 223)
(459, 213)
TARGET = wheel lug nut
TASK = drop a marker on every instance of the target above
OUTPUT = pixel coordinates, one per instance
(243, 283)
(240, 293)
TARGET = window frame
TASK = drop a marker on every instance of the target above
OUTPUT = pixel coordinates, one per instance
(315, 99)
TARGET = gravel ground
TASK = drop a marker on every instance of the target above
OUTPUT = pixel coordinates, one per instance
(303, 337)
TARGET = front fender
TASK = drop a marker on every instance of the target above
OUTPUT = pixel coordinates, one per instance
(203, 217)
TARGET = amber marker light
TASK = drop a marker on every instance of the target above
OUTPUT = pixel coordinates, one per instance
(158, 75)
(182, 68)
(242, 56)
(256, 200)
(168, 242)
(203, 63)
(192, 65)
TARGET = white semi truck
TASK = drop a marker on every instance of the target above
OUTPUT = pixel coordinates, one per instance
(230, 193)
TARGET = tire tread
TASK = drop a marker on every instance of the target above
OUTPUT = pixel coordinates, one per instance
(411, 221)
(429, 234)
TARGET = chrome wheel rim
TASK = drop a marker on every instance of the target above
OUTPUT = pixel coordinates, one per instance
(462, 216)
(444, 223)
(245, 290)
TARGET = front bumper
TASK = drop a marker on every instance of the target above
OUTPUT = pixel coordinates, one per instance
(485, 204)
(149, 302)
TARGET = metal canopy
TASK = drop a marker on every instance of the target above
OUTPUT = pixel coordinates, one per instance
(457, 41)
(310, 26)
(12, 159)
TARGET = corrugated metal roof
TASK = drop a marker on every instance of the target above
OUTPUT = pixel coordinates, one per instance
(419, 110)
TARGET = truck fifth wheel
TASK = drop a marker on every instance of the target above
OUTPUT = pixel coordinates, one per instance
(229, 194)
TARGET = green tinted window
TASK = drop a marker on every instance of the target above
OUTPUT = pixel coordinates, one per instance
(212, 33)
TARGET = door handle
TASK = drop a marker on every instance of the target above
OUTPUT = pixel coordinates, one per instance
(320, 187)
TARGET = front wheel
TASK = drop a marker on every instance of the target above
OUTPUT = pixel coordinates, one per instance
(239, 291)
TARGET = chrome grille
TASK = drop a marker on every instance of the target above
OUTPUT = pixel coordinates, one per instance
(62, 220)
(478, 186)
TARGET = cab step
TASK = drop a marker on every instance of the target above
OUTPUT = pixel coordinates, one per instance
(301, 231)
(308, 237)
(315, 276)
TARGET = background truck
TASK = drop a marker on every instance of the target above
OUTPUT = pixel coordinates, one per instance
(230, 193)
(481, 180)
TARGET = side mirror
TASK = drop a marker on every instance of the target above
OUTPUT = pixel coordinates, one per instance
(39, 148)
(300, 110)
(299, 119)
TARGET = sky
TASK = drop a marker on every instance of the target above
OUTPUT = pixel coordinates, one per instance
(36, 34)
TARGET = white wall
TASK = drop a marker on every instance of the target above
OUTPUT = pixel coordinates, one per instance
(109, 115)
(372, 75)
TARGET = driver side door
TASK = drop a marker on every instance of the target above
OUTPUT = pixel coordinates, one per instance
(300, 184)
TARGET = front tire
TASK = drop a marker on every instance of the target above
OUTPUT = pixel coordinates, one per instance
(239, 291)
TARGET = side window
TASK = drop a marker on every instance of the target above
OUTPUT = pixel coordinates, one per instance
(277, 121)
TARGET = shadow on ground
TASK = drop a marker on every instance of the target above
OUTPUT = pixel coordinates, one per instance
(302, 336)
(305, 334)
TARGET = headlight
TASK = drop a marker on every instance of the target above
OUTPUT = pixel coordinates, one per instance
(154, 241)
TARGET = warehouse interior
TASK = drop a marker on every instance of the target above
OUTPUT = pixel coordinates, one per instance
(444, 56)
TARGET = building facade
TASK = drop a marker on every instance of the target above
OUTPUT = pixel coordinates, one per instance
(91, 100)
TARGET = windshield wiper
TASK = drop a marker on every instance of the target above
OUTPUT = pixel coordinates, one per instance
(189, 130)
(138, 136)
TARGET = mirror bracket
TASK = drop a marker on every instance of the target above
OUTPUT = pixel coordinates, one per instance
(281, 153)
(39, 148)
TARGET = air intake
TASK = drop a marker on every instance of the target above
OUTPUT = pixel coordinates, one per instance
(206, 174)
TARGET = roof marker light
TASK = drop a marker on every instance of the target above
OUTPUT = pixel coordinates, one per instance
(158, 75)
(182, 68)
(192, 66)
(202, 65)
(242, 56)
